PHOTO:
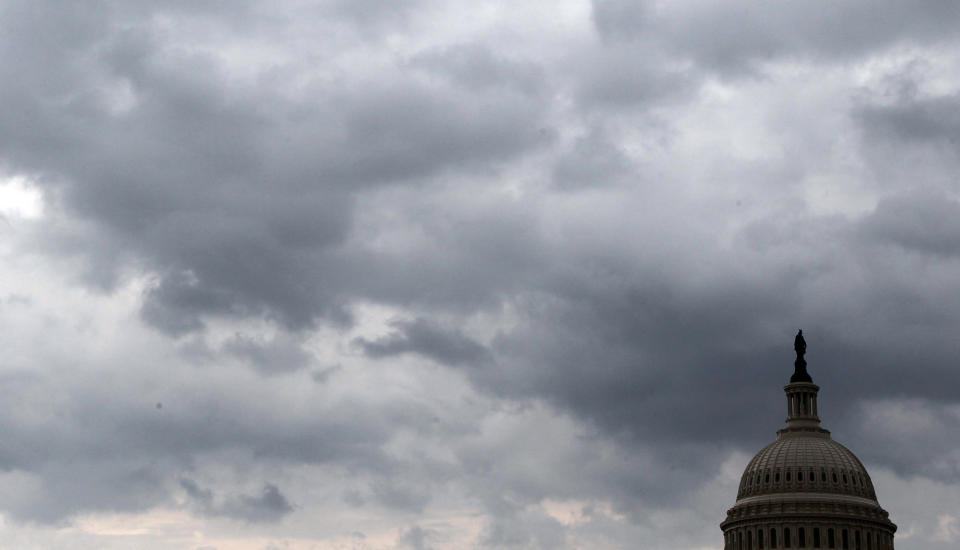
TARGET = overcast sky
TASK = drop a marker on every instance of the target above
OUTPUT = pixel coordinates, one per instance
(430, 274)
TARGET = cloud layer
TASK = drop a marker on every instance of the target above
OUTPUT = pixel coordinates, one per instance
(447, 275)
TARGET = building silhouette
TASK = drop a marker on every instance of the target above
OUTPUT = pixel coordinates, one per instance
(805, 490)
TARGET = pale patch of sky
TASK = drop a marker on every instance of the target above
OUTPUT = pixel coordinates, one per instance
(20, 198)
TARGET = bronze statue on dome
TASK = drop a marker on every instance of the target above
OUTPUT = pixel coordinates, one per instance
(800, 365)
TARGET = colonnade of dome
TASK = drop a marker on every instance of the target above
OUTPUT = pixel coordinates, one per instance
(839, 535)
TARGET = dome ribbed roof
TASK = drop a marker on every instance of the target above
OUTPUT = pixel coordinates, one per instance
(813, 463)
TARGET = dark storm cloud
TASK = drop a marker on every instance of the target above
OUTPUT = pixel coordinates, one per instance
(269, 506)
(909, 138)
(735, 36)
(237, 195)
(593, 160)
(111, 449)
(918, 426)
(922, 121)
(423, 337)
(648, 354)
(926, 223)
(614, 358)
(658, 315)
(460, 251)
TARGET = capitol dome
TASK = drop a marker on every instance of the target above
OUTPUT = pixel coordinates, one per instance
(805, 490)
(806, 464)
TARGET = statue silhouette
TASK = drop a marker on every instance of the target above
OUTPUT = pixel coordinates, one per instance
(799, 344)
(800, 365)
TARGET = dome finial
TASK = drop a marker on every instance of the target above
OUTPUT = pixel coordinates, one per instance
(800, 365)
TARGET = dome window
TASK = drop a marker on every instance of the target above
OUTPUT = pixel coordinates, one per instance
(776, 477)
(788, 476)
(823, 476)
(844, 479)
(767, 479)
(834, 477)
(800, 476)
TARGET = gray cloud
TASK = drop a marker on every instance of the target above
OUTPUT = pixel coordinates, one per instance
(194, 166)
(617, 225)
(400, 495)
(52, 490)
(908, 136)
(593, 160)
(111, 449)
(478, 67)
(415, 538)
(924, 223)
(268, 506)
(514, 528)
(428, 339)
(321, 376)
(369, 15)
(278, 355)
(921, 121)
(629, 77)
(736, 36)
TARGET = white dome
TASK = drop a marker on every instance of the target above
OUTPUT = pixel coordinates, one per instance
(797, 463)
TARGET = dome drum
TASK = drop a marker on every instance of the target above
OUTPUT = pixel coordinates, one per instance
(861, 514)
(827, 535)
